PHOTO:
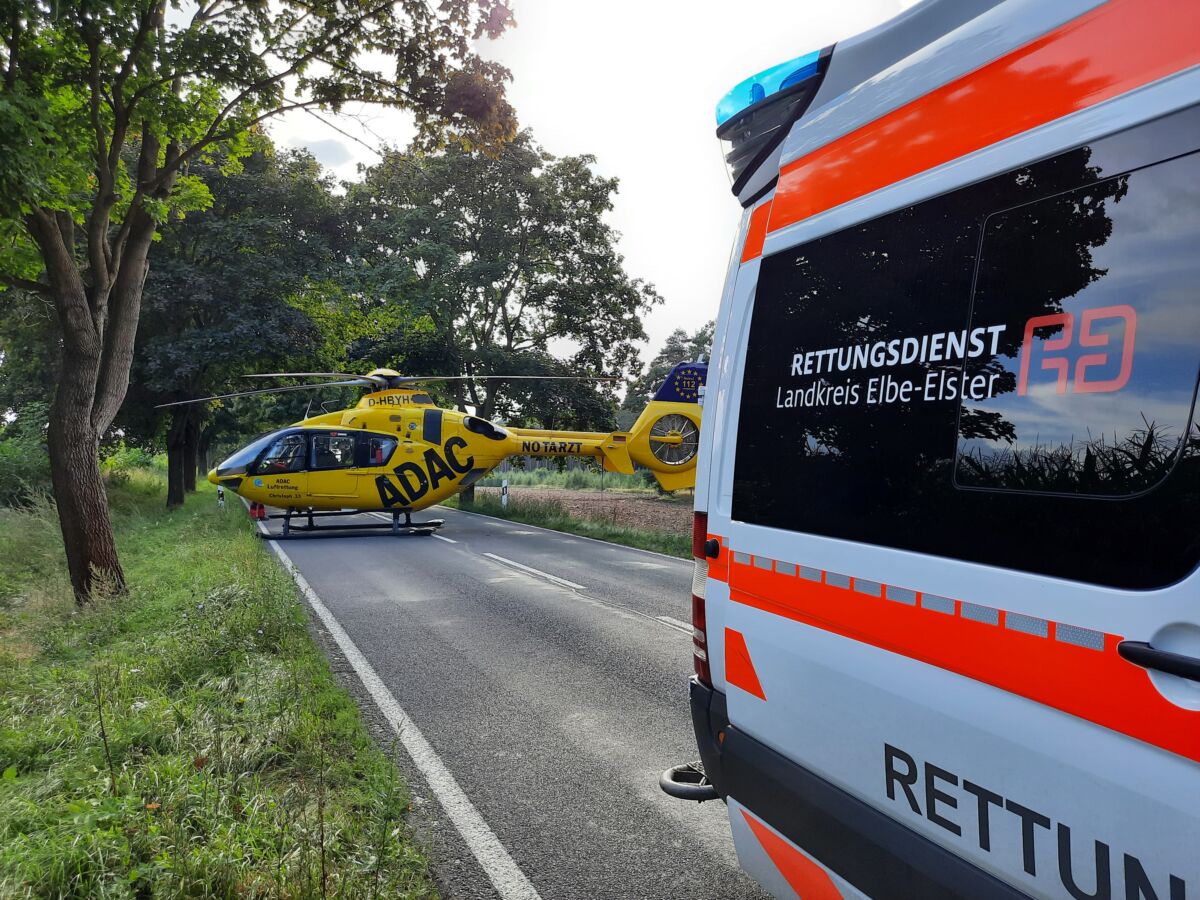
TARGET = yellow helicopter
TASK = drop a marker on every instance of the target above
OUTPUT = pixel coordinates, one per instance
(397, 452)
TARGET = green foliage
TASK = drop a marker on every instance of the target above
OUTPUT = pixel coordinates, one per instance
(119, 463)
(24, 461)
(105, 107)
(503, 255)
(29, 361)
(229, 762)
(82, 80)
(549, 514)
(24, 469)
(216, 300)
(219, 299)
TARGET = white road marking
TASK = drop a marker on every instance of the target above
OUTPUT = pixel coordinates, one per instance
(506, 876)
(532, 571)
(675, 623)
(446, 539)
(501, 523)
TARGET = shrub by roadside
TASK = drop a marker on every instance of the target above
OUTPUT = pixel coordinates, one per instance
(24, 469)
(187, 739)
(550, 514)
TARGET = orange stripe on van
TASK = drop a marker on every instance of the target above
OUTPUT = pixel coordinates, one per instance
(1093, 684)
(756, 233)
(739, 667)
(805, 877)
(1119, 46)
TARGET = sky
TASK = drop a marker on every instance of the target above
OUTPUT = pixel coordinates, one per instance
(634, 83)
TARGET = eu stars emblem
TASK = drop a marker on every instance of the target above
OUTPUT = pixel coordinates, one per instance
(687, 384)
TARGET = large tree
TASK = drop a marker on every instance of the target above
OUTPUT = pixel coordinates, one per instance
(509, 258)
(103, 107)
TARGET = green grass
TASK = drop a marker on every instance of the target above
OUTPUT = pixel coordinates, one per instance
(188, 739)
(549, 514)
(577, 479)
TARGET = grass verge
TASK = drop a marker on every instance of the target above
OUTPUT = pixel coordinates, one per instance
(188, 739)
(549, 514)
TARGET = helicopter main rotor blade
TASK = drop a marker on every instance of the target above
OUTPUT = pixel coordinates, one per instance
(360, 382)
(425, 378)
(306, 375)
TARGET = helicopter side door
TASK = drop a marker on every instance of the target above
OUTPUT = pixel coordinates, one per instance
(333, 456)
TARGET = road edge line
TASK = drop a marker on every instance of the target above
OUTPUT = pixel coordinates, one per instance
(501, 869)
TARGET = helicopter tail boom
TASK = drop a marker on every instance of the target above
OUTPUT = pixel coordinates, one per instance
(612, 449)
(664, 439)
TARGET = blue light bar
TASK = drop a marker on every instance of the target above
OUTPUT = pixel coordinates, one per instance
(770, 81)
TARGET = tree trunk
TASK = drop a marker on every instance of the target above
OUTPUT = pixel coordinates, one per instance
(202, 449)
(79, 493)
(191, 449)
(98, 325)
(177, 459)
(73, 434)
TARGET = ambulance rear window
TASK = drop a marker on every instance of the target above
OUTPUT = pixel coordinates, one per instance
(1097, 376)
(1005, 374)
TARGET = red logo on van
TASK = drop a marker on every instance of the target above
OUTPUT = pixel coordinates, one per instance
(1056, 359)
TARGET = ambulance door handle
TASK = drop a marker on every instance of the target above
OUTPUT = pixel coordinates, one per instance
(1142, 654)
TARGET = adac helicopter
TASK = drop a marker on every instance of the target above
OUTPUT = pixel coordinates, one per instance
(397, 452)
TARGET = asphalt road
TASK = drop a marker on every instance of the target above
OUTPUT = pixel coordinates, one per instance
(554, 700)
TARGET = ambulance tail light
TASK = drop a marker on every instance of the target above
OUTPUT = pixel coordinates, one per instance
(699, 579)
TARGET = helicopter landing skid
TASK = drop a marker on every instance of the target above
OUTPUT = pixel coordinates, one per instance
(395, 527)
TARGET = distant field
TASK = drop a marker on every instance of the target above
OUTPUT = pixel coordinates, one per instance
(662, 524)
(573, 479)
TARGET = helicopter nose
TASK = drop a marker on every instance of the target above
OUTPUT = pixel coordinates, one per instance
(212, 476)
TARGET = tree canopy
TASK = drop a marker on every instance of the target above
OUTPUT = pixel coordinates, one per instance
(505, 258)
(104, 109)
(218, 297)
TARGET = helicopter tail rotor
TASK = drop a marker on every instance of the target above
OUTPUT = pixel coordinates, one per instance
(666, 436)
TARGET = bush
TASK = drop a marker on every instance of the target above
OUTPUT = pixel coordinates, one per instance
(24, 469)
(118, 463)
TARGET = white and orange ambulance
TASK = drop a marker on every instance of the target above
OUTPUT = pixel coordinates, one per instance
(946, 604)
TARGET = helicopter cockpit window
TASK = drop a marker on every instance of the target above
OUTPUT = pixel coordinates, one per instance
(240, 461)
(287, 454)
(333, 451)
(379, 449)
